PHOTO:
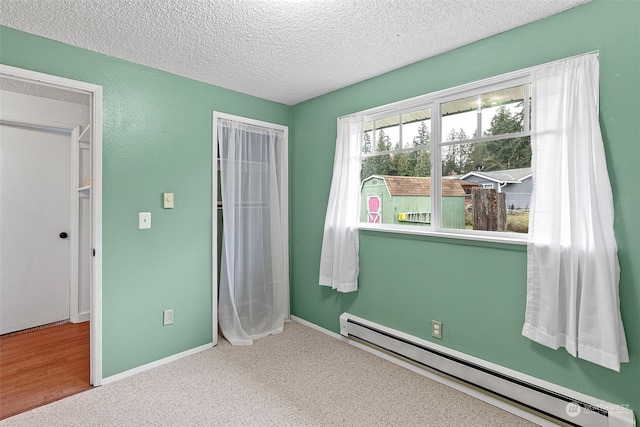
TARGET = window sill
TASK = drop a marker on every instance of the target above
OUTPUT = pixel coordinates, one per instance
(475, 237)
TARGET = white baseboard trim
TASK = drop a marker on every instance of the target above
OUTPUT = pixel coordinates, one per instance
(155, 364)
(80, 317)
(457, 386)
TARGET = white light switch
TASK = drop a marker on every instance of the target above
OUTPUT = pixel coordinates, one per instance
(144, 220)
(168, 200)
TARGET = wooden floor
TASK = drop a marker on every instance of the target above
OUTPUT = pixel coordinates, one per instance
(43, 366)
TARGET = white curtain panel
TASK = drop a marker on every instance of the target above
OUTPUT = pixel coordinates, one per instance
(253, 299)
(572, 261)
(339, 258)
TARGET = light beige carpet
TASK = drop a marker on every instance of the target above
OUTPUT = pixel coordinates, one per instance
(301, 377)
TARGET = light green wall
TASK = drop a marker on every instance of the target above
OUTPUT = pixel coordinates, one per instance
(156, 138)
(477, 290)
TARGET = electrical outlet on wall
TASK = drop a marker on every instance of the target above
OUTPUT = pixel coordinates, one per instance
(167, 318)
(436, 329)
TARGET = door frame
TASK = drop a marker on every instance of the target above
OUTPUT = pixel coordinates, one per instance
(95, 93)
(215, 205)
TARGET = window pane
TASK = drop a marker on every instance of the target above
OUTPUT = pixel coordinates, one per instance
(416, 128)
(503, 111)
(387, 134)
(459, 119)
(496, 181)
(396, 188)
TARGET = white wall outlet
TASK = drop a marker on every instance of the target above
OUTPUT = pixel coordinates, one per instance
(167, 200)
(144, 220)
(436, 329)
(167, 318)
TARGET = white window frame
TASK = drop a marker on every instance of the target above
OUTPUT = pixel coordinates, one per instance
(433, 101)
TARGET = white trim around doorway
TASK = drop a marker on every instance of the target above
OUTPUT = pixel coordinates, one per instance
(95, 92)
(284, 206)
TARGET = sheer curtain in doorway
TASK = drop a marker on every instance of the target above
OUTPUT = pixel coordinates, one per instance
(254, 300)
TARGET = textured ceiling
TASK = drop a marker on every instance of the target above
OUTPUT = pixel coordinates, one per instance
(282, 50)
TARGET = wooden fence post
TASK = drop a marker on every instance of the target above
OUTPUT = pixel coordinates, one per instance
(489, 210)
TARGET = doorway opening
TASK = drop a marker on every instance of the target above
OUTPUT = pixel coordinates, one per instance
(83, 236)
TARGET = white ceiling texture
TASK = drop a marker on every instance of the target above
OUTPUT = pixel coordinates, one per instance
(286, 51)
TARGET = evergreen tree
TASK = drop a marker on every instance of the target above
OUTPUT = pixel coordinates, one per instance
(384, 144)
(480, 156)
(457, 159)
(400, 163)
(368, 164)
(383, 162)
(423, 163)
(424, 136)
(420, 160)
(509, 153)
(412, 163)
(366, 142)
(376, 165)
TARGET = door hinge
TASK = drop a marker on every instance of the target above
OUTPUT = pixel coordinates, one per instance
(94, 252)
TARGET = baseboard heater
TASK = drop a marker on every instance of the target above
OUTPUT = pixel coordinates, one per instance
(555, 402)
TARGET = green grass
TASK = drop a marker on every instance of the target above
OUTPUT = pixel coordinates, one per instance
(516, 222)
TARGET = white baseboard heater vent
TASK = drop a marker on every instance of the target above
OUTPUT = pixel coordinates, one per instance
(558, 403)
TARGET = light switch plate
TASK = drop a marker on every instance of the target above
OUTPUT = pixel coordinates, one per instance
(144, 220)
(168, 200)
(167, 317)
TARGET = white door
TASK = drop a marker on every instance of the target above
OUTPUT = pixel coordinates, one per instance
(34, 211)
